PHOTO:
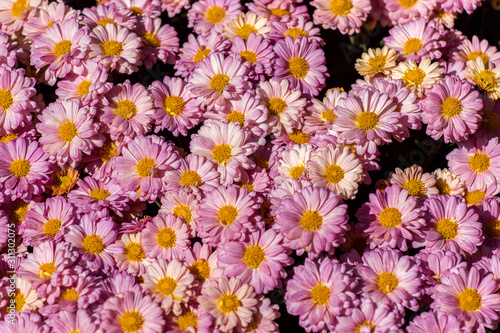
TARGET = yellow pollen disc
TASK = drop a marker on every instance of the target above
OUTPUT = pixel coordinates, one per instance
(70, 295)
(377, 62)
(186, 320)
(253, 325)
(227, 215)
(93, 244)
(245, 30)
(479, 162)
(298, 67)
(320, 294)
(112, 48)
(387, 282)
(151, 40)
(253, 256)
(276, 106)
(486, 80)
(414, 187)
(451, 107)
(184, 212)
(8, 137)
(173, 105)
(201, 269)
(297, 171)
(249, 56)
(228, 303)
(131, 321)
(145, 167)
(6, 99)
(311, 220)
(474, 54)
(328, 115)
(221, 153)
(83, 88)
(443, 187)
(447, 228)
(166, 286)
(135, 252)
(105, 21)
(20, 301)
(474, 197)
(492, 228)
(166, 238)
(137, 11)
(334, 174)
(412, 45)
(340, 7)
(191, 178)
(108, 151)
(62, 48)
(469, 300)
(20, 168)
(407, 3)
(99, 194)
(296, 32)
(52, 227)
(46, 270)
(236, 117)
(366, 120)
(18, 7)
(262, 162)
(125, 109)
(218, 82)
(215, 14)
(279, 12)
(299, 137)
(18, 211)
(490, 121)
(248, 186)
(365, 324)
(67, 131)
(201, 54)
(390, 217)
(414, 77)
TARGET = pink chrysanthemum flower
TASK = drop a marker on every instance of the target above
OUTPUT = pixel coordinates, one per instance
(319, 292)
(486, 77)
(258, 52)
(347, 16)
(129, 254)
(313, 220)
(142, 165)
(370, 316)
(230, 302)
(92, 238)
(471, 296)
(302, 63)
(418, 78)
(166, 237)
(48, 220)
(68, 130)
(403, 11)
(14, 13)
(134, 311)
(244, 24)
(115, 47)
(101, 162)
(109, 13)
(452, 225)
(438, 263)
(191, 320)
(391, 278)
(476, 163)
(321, 114)
(452, 109)
(176, 109)
(60, 50)
(78, 321)
(218, 79)
(415, 181)
(292, 163)
(195, 174)
(118, 283)
(471, 50)
(212, 15)
(257, 181)
(141, 8)
(26, 321)
(182, 204)
(435, 322)
(489, 216)
(259, 261)
(202, 262)
(303, 27)
(224, 215)
(128, 110)
(160, 42)
(448, 183)
(45, 16)
(376, 62)
(226, 144)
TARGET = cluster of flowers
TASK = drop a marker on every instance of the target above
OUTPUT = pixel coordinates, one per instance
(268, 170)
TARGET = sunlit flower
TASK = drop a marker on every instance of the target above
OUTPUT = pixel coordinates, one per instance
(347, 16)
(244, 24)
(415, 181)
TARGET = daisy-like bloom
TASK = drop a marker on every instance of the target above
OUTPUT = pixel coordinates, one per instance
(68, 130)
(376, 62)
(116, 48)
(244, 24)
(336, 168)
(284, 11)
(471, 296)
(452, 225)
(202, 262)
(403, 11)
(292, 162)
(109, 13)
(438, 263)
(415, 181)
(15, 103)
(313, 220)
(191, 320)
(477, 162)
(474, 195)
(142, 165)
(14, 13)
(160, 42)
(26, 321)
(257, 51)
(212, 15)
(175, 107)
(134, 311)
(66, 321)
(448, 183)
(218, 79)
(182, 204)
(195, 174)
(101, 162)
(303, 27)
(391, 278)
(88, 88)
(321, 115)
(45, 16)
(128, 110)
(141, 8)
(260, 261)
(230, 302)
(452, 109)
(418, 77)
(435, 322)
(26, 297)
(226, 144)
(92, 238)
(302, 63)
(60, 50)
(443, 19)
(345, 15)
(224, 215)
(129, 254)
(165, 237)
(23, 169)
(257, 181)
(319, 292)
(471, 50)
(485, 76)
(48, 220)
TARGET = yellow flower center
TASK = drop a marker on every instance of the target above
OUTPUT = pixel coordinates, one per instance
(365, 324)
(254, 256)
(6, 99)
(137, 11)
(166, 286)
(186, 320)
(334, 174)
(447, 228)
(112, 48)
(145, 167)
(215, 14)
(93, 244)
(131, 321)
(125, 109)
(184, 212)
(276, 106)
(227, 215)
(201, 54)
(412, 45)
(296, 32)
(67, 131)
(61, 48)
(367, 120)
(99, 194)
(151, 40)
(414, 187)
(390, 217)
(8, 137)
(108, 151)
(414, 77)
(492, 228)
(377, 62)
(18, 211)
(173, 105)
(469, 300)
(105, 21)
(20, 168)
(474, 54)
(474, 197)
(451, 107)
(236, 117)
(46, 270)
(299, 137)
(328, 115)
(311, 220)
(70, 295)
(262, 162)
(18, 7)
(245, 30)
(320, 294)
(221, 153)
(298, 67)
(219, 82)
(387, 282)
(297, 171)
(228, 303)
(486, 80)
(490, 121)
(248, 186)
(249, 56)
(166, 238)
(340, 7)
(443, 187)
(407, 3)
(479, 162)
(135, 252)
(279, 12)
(201, 269)
(52, 227)
(83, 88)
(191, 178)
(20, 301)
